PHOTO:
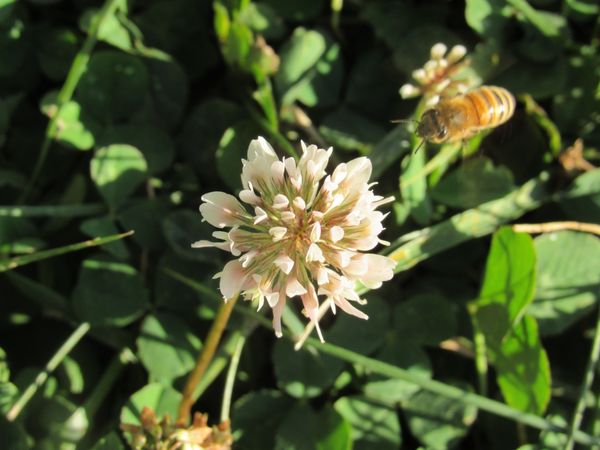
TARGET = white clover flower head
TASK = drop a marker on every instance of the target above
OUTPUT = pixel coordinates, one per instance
(437, 77)
(303, 233)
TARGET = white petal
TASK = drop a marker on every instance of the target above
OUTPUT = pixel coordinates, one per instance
(359, 172)
(314, 253)
(290, 167)
(311, 308)
(293, 287)
(315, 232)
(342, 258)
(272, 298)
(248, 196)
(280, 201)
(322, 276)
(257, 169)
(232, 280)
(314, 161)
(339, 173)
(277, 171)
(259, 148)
(456, 53)
(359, 265)
(380, 268)
(288, 216)
(347, 307)
(206, 244)
(438, 51)
(247, 258)
(336, 233)
(328, 185)
(261, 215)
(278, 233)
(285, 263)
(221, 209)
(297, 182)
(299, 203)
(277, 312)
(338, 199)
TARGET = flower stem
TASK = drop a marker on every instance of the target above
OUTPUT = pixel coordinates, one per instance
(336, 9)
(273, 132)
(206, 355)
(549, 227)
(230, 378)
(78, 68)
(481, 362)
(41, 378)
(585, 386)
(106, 381)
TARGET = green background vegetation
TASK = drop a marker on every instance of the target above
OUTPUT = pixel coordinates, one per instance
(117, 116)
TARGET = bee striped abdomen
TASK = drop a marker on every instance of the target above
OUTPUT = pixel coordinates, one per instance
(494, 105)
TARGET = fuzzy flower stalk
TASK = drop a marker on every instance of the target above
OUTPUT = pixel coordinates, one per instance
(301, 234)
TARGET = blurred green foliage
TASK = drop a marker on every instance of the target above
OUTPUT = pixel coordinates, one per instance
(118, 115)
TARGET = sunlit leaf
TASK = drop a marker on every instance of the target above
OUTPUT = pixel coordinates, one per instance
(167, 346)
(158, 397)
(508, 283)
(523, 370)
(118, 170)
(310, 70)
(568, 281)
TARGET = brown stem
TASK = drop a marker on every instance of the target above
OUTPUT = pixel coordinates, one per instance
(557, 226)
(204, 358)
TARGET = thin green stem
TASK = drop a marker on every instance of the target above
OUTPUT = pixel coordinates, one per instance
(265, 98)
(204, 359)
(272, 132)
(18, 261)
(41, 378)
(336, 10)
(596, 420)
(54, 211)
(107, 380)
(586, 385)
(481, 362)
(230, 378)
(223, 356)
(78, 68)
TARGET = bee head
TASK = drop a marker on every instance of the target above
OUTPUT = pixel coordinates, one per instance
(431, 127)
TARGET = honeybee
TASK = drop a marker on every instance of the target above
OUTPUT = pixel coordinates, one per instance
(462, 116)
